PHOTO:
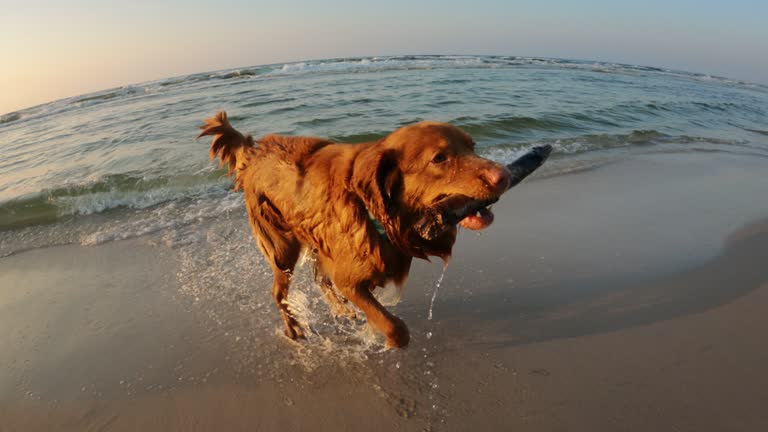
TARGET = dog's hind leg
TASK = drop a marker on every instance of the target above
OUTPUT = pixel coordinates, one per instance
(281, 248)
(333, 299)
(280, 284)
(337, 303)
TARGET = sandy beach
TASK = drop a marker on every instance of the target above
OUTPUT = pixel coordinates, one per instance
(626, 297)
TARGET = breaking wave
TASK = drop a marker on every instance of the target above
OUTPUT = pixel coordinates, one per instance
(108, 193)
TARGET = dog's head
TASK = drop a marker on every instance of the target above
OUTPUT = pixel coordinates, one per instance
(422, 180)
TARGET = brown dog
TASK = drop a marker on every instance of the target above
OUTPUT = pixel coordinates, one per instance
(364, 210)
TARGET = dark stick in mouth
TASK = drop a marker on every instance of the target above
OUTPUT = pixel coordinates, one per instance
(438, 219)
(528, 163)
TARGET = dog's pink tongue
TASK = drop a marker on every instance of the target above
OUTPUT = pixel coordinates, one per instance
(478, 221)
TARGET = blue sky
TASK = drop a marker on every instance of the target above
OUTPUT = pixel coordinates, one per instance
(59, 48)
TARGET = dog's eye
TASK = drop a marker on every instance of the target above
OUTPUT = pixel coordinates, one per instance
(439, 158)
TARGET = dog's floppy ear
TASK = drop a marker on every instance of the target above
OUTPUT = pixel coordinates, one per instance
(377, 180)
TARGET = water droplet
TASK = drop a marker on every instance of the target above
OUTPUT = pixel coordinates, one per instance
(434, 294)
(429, 335)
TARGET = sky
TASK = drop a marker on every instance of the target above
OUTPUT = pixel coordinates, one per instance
(59, 48)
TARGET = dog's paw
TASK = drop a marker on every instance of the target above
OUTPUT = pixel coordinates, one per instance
(399, 337)
(293, 330)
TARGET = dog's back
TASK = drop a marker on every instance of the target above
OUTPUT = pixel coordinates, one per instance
(245, 158)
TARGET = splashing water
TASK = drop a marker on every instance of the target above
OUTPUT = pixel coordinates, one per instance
(434, 293)
(225, 278)
(435, 414)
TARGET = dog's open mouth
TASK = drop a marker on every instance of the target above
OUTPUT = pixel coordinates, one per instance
(474, 215)
(460, 210)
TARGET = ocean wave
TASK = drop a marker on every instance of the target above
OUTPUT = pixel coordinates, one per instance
(108, 193)
(268, 101)
(169, 217)
(361, 64)
(10, 117)
(757, 131)
(379, 63)
(125, 92)
(227, 74)
(74, 103)
(595, 119)
(172, 217)
(504, 125)
(105, 96)
(448, 61)
(362, 137)
(506, 153)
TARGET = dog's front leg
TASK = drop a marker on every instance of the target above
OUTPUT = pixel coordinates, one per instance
(392, 327)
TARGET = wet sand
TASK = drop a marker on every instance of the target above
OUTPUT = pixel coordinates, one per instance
(627, 297)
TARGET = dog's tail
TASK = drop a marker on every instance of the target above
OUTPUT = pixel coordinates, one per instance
(227, 142)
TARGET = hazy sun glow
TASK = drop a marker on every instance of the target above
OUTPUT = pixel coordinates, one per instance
(54, 50)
